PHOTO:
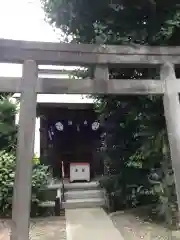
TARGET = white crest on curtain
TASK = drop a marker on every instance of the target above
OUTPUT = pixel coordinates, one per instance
(95, 126)
(59, 126)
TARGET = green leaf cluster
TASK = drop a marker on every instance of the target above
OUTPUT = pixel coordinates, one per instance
(8, 129)
(40, 176)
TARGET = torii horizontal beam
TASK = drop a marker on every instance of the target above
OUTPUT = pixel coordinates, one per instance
(134, 49)
(90, 86)
(85, 54)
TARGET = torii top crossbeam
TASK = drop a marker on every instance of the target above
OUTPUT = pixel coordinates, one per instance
(13, 51)
(64, 53)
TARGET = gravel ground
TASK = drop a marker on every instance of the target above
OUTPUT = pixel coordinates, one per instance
(49, 228)
(132, 227)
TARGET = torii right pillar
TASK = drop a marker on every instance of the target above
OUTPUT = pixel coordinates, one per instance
(172, 115)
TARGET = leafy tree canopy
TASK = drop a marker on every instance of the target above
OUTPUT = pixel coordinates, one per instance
(115, 22)
(134, 126)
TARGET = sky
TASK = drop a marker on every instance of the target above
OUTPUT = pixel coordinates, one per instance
(23, 20)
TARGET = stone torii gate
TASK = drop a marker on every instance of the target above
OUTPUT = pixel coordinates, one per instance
(32, 54)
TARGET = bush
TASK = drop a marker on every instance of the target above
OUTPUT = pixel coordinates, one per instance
(40, 175)
(128, 189)
(8, 129)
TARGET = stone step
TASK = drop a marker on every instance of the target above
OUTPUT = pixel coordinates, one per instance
(84, 194)
(49, 206)
(82, 185)
(84, 203)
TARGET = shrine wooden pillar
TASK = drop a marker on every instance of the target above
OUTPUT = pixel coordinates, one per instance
(25, 151)
(172, 116)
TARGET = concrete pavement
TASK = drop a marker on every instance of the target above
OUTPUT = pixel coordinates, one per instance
(90, 223)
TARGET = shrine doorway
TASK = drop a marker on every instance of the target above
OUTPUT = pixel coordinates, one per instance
(70, 133)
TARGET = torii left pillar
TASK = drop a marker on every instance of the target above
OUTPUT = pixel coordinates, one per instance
(25, 151)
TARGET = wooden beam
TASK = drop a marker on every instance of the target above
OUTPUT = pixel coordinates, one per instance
(25, 151)
(90, 86)
(84, 54)
(172, 115)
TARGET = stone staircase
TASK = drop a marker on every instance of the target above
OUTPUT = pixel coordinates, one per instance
(77, 195)
(83, 195)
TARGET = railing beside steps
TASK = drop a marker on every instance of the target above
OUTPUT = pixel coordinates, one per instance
(62, 180)
(60, 194)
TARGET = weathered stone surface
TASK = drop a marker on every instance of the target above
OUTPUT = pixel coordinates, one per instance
(51, 228)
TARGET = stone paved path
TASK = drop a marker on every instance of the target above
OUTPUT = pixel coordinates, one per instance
(50, 228)
(90, 223)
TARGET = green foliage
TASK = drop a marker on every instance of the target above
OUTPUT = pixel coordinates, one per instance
(36, 160)
(134, 127)
(115, 22)
(7, 171)
(128, 131)
(8, 130)
(40, 176)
